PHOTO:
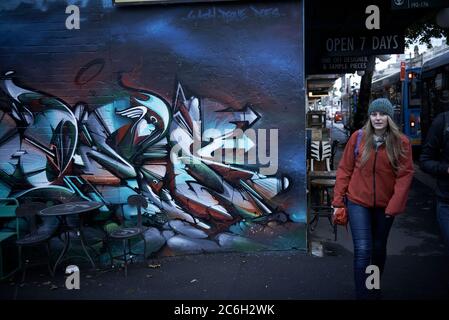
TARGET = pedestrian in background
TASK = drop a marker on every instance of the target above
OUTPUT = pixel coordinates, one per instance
(373, 180)
(434, 159)
(443, 101)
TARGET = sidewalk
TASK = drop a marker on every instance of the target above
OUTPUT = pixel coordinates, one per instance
(417, 268)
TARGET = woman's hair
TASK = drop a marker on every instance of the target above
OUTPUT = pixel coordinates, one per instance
(393, 143)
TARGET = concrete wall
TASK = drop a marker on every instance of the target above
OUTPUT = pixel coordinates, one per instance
(199, 107)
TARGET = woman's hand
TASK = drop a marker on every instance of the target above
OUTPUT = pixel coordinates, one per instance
(335, 210)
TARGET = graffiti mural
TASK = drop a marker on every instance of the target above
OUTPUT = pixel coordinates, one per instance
(209, 158)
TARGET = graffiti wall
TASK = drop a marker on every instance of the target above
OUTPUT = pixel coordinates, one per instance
(197, 107)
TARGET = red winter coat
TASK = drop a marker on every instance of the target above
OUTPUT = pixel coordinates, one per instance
(375, 184)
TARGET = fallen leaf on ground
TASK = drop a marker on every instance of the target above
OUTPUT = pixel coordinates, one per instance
(193, 280)
(154, 266)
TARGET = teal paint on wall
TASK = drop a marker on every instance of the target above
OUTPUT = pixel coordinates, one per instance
(109, 110)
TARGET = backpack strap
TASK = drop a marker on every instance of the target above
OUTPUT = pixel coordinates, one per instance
(357, 144)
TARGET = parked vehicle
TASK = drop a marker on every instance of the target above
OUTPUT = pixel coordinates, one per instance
(419, 98)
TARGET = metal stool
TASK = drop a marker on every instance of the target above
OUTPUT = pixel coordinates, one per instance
(125, 234)
(324, 206)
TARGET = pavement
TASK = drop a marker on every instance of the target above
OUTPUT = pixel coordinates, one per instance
(417, 267)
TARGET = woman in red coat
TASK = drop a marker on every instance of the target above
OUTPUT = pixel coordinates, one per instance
(373, 180)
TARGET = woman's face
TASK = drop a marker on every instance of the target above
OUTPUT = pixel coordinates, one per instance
(379, 120)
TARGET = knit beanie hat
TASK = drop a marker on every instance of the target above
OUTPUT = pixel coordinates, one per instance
(381, 105)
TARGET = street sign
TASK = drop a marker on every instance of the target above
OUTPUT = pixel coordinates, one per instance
(363, 44)
(353, 28)
(402, 73)
(418, 4)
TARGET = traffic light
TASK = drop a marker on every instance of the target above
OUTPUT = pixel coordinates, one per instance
(402, 73)
(413, 75)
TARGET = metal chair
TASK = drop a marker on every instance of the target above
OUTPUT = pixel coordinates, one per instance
(8, 235)
(125, 234)
(320, 153)
(37, 235)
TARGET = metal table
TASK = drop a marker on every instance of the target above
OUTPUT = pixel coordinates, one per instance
(62, 211)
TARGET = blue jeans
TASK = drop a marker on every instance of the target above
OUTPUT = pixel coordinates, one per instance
(370, 228)
(443, 220)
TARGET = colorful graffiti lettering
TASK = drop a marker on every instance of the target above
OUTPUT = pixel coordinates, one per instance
(141, 144)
